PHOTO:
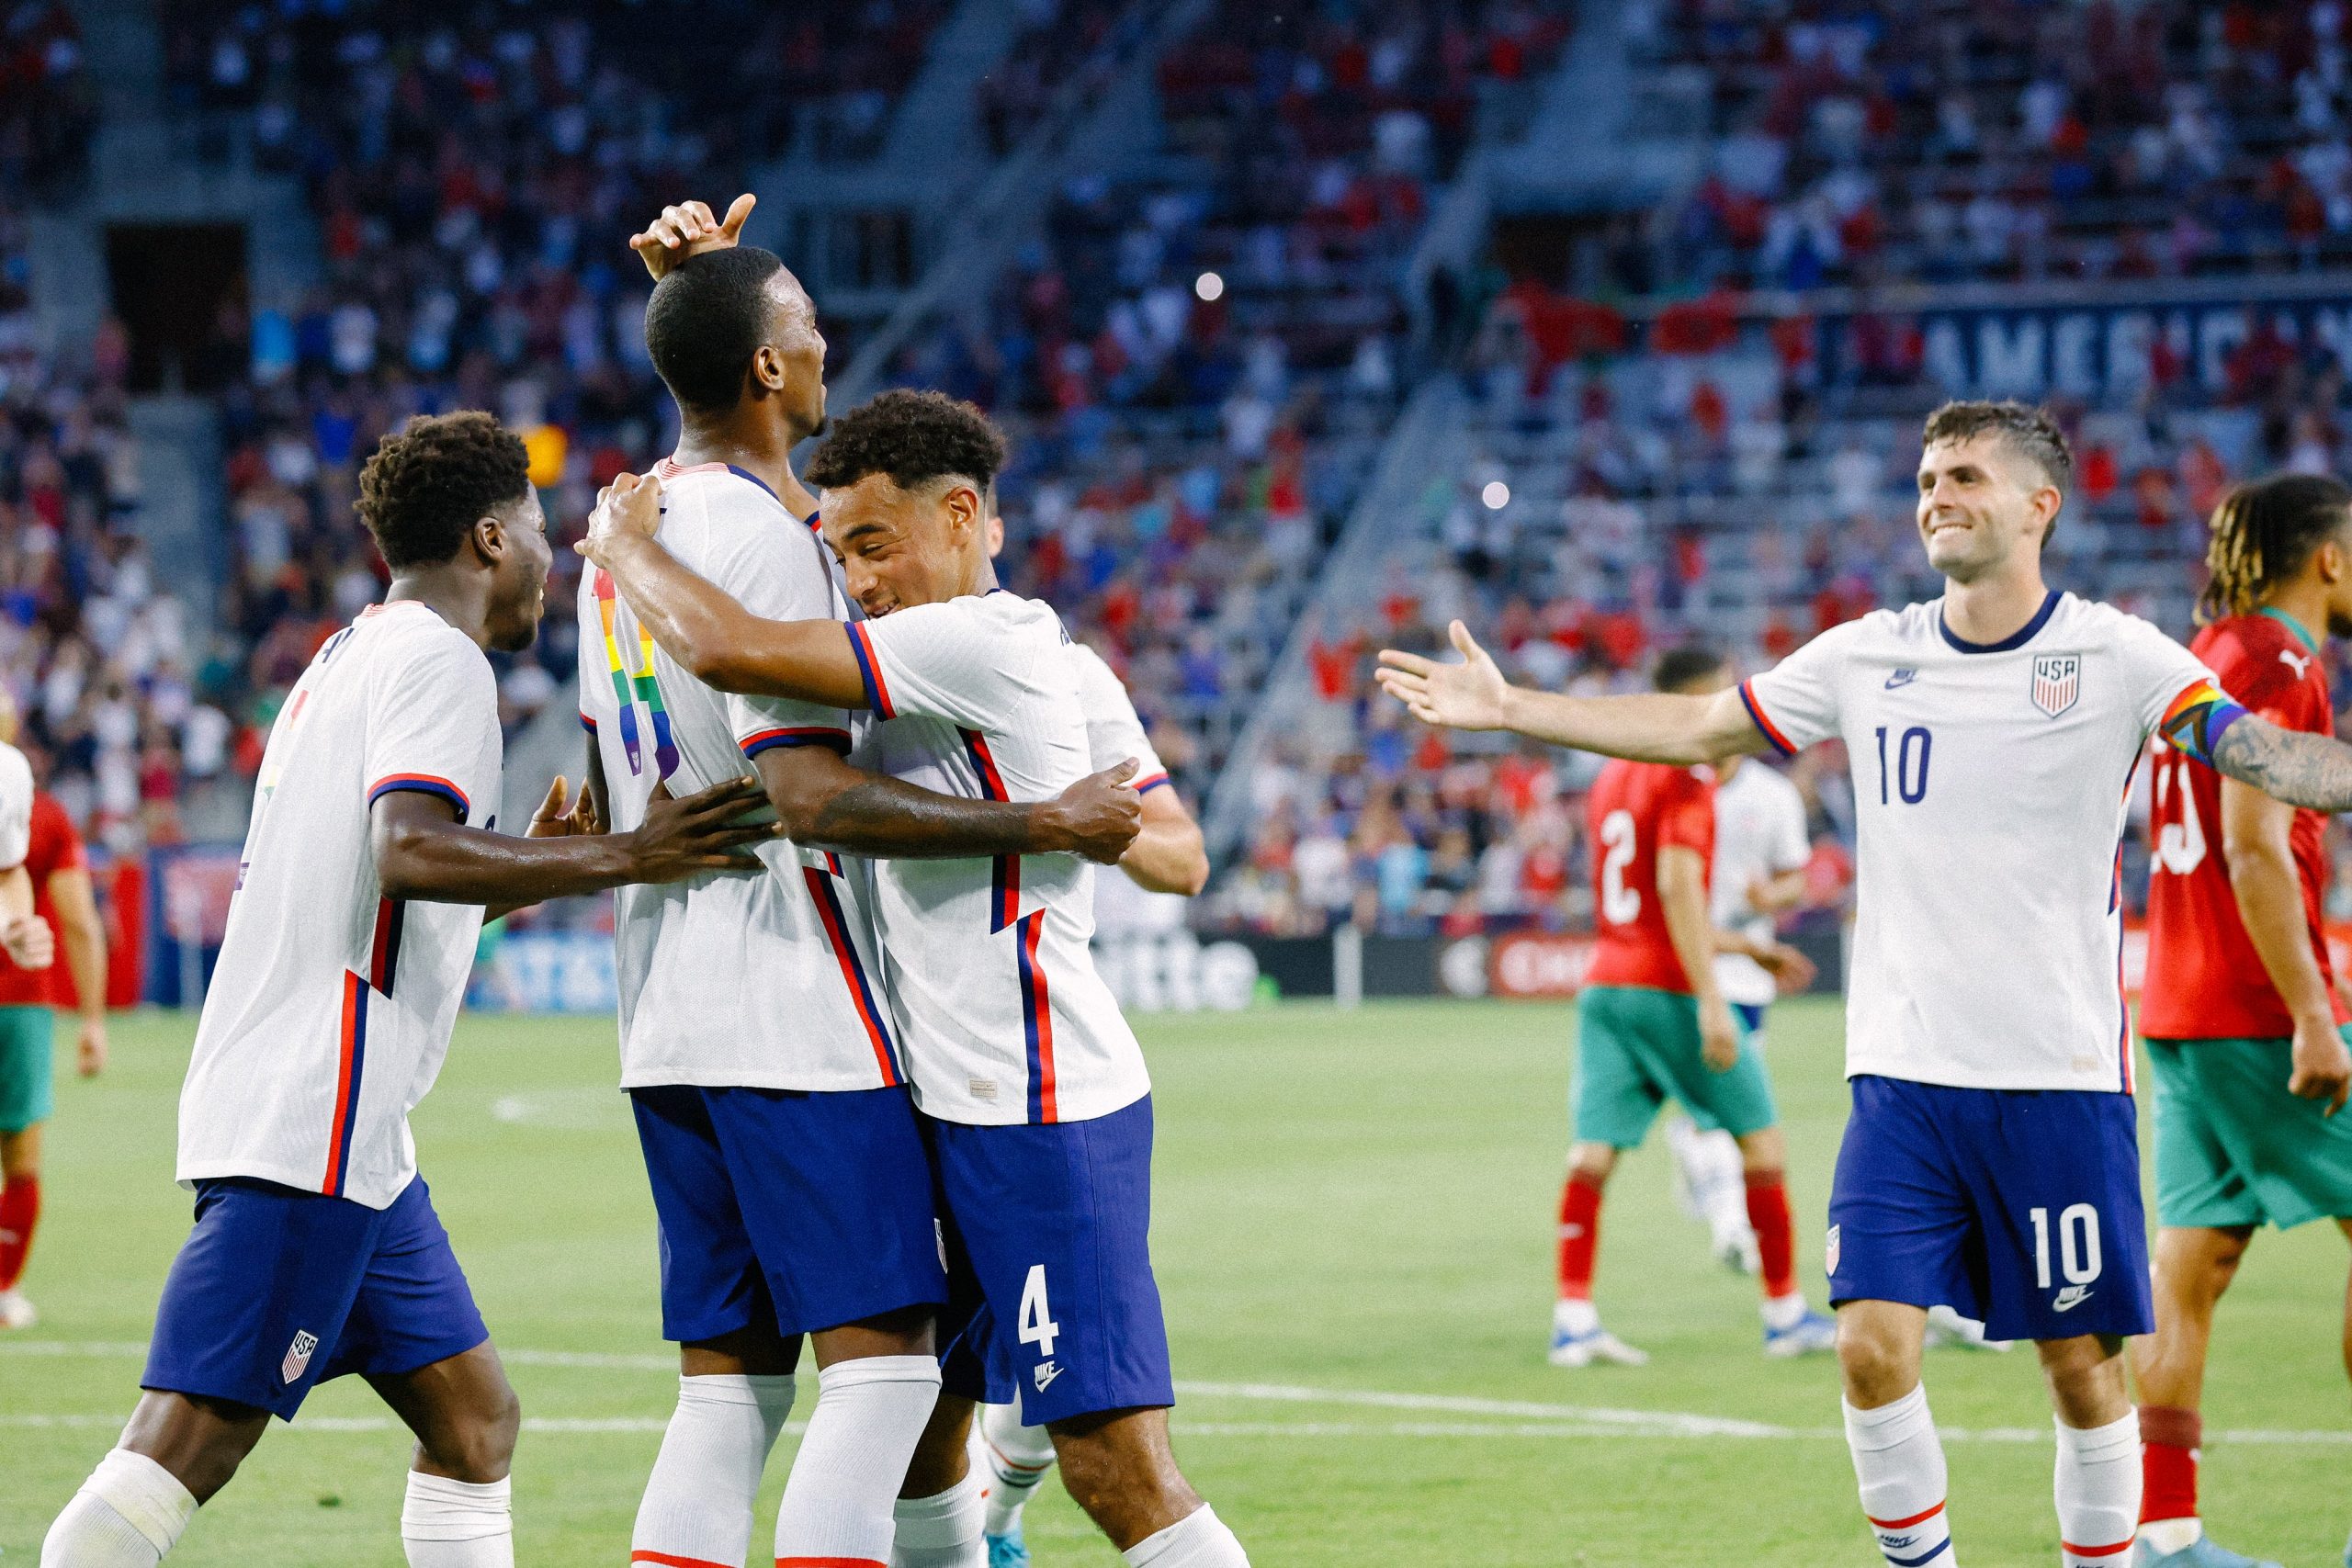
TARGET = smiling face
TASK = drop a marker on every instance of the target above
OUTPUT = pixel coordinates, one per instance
(514, 540)
(1980, 503)
(907, 547)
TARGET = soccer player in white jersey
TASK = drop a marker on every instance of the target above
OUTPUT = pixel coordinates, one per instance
(791, 1183)
(1761, 849)
(1168, 864)
(1033, 1089)
(1991, 1161)
(360, 892)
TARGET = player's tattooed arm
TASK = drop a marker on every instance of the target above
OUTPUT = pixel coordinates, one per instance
(2311, 771)
(423, 852)
(1655, 726)
(826, 804)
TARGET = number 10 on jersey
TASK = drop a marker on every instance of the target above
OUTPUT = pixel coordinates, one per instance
(1909, 776)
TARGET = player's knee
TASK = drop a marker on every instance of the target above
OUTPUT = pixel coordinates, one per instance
(479, 1447)
(1592, 1163)
(1879, 1365)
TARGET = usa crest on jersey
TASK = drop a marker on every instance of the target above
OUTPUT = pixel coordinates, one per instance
(298, 1355)
(2057, 681)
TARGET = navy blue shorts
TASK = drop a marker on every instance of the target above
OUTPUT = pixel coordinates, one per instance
(278, 1290)
(1751, 1019)
(1048, 1241)
(2019, 1207)
(807, 1211)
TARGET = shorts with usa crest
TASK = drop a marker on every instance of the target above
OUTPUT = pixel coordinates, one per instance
(2017, 1207)
(802, 1210)
(277, 1291)
(1048, 1232)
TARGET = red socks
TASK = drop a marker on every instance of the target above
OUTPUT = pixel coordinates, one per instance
(1767, 1215)
(19, 1211)
(2169, 1439)
(1580, 1237)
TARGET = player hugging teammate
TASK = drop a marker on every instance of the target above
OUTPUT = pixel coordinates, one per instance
(1990, 1161)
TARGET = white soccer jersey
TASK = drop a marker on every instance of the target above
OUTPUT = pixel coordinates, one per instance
(1990, 784)
(331, 1007)
(999, 1010)
(728, 979)
(1760, 834)
(1114, 733)
(15, 807)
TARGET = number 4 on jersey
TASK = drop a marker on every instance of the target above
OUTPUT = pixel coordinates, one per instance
(1036, 1325)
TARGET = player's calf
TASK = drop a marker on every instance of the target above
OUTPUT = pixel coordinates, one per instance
(2098, 1478)
(1117, 1465)
(176, 1454)
(1018, 1458)
(877, 1382)
(459, 1511)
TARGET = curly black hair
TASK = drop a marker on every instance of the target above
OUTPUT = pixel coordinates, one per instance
(706, 319)
(914, 437)
(2264, 533)
(429, 483)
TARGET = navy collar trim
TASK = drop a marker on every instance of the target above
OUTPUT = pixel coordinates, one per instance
(747, 474)
(2018, 639)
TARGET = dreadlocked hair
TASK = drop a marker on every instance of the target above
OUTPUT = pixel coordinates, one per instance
(2264, 531)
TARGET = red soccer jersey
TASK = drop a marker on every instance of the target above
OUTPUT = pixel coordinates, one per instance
(2205, 980)
(1633, 810)
(55, 847)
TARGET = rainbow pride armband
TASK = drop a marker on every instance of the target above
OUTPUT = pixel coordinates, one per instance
(2197, 719)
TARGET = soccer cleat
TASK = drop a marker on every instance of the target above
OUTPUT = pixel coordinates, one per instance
(1946, 1326)
(15, 1311)
(1008, 1550)
(2202, 1552)
(1595, 1344)
(1809, 1335)
(1737, 1250)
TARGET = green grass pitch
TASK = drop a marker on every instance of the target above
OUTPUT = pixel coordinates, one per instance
(1350, 1204)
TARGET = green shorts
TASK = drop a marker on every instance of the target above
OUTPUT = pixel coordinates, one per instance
(25, 1097)
(1636, 1046)
(2234, 1148)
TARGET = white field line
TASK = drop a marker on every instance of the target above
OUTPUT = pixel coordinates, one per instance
(1506, 1418)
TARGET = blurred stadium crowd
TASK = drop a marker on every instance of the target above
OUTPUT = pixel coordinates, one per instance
(1198, 365)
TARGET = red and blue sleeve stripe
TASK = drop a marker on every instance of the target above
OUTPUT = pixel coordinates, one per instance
(424, 784)
(796, 735)
(1756, 711)
(869, 667)
(587, 724)
(1151, 782)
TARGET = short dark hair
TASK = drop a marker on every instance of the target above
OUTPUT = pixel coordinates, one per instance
(428, 483)
(914, 437)
(1679, 667)
(2028, 431)
(706, 320)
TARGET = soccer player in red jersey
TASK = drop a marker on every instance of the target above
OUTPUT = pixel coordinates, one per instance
(61, 897)
(2244, 1024)
(1652, 1022)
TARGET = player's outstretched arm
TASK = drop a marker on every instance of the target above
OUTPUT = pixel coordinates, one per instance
(2302, 769)
(826, 804)
(688, 229)
(1169, 855)
(423, 852)
(1654, 727)
(700, 625)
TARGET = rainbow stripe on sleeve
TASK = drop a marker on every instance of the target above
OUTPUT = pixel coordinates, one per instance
(2197, 719)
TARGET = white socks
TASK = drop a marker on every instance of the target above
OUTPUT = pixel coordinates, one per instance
(126, 1516)
(1899, 1462)
(2098, 1492)
(942, 1530)
(1018, 1458)
(458, 1524)
(1199, 1539)
(698, 1500)
(840, 1499)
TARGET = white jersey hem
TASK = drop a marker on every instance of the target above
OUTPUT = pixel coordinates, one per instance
(1018, 1116)
(656, 1075)
(2110, 1083)
(306, 1182)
